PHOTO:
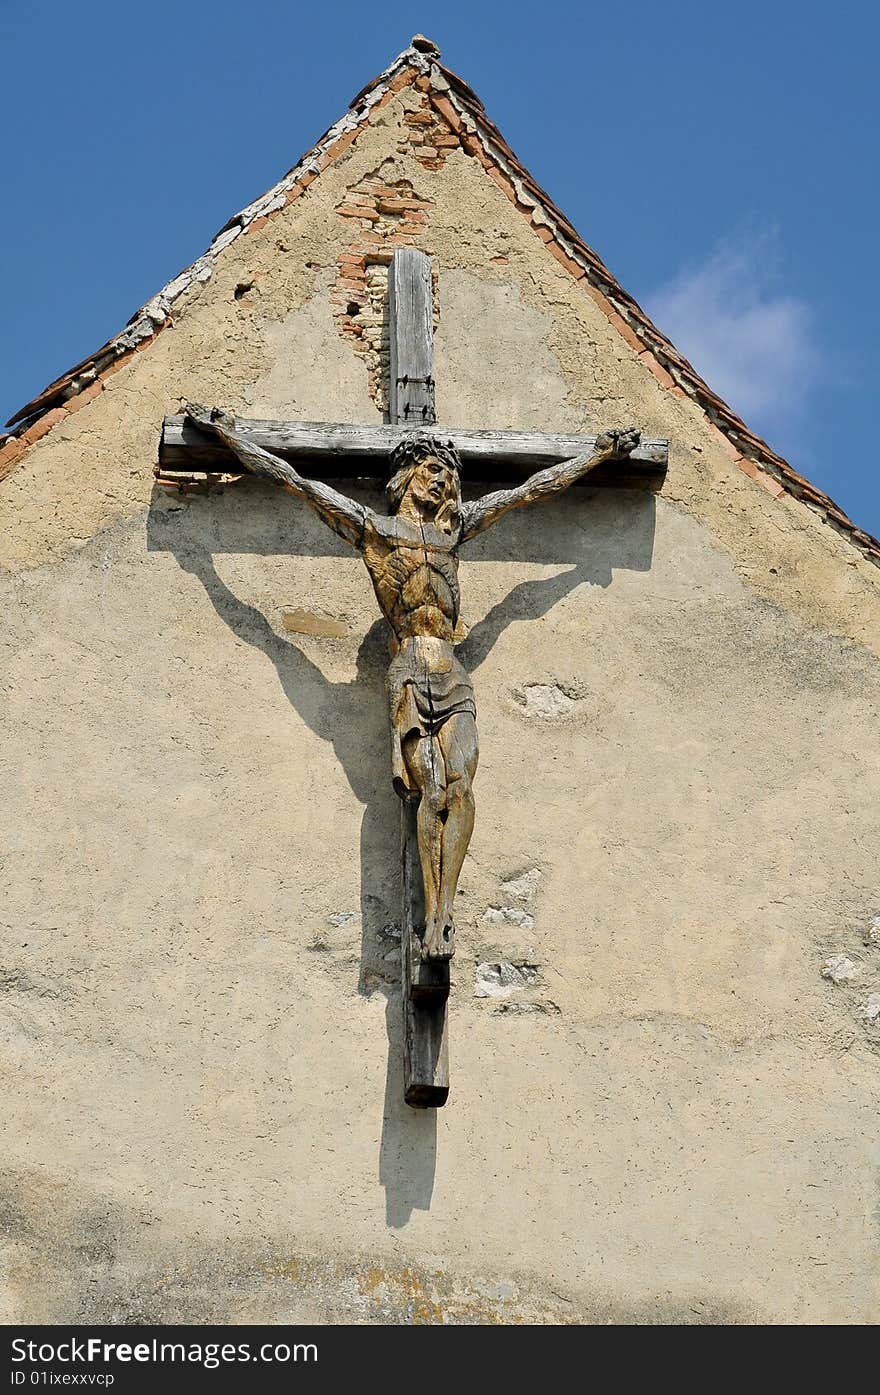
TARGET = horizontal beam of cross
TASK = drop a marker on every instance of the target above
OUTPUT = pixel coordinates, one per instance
(342, 451)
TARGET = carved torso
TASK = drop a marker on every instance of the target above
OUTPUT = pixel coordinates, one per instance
(414, 571)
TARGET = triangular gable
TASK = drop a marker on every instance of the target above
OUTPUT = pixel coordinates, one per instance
(460, 121)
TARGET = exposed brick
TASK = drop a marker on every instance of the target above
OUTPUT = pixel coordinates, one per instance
(383, 100)
(730, 450)
(348, 210)
(443, 142)
(403, 79)
(565, 260)
(390, 216)
(88, 394)
(12, 451)
(257, 223)
(795, 478)
(473, 147)
(419, 118)
(43, 426)
(423, 83)
(761, 477)
(446, 110)
(618, 322)
(502, 181)
(340, 145)
(115, 366)
(773, 487)
(397, 205)
(543, 232)
(655, 367)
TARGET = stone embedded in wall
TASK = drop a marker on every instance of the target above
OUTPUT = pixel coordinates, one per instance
(509, 915)
(840, 968)
(513, 925)
(523, 885)
(856, 977)
(869, 1010)
(502, 979)
(544, 701)
(528, 1008)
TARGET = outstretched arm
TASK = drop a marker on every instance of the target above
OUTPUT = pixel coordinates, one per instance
(345, 516)
(482, 513)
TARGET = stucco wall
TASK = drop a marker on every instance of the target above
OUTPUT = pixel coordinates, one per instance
(677, 1118)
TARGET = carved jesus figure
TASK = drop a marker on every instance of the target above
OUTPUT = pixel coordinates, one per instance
(411, 555)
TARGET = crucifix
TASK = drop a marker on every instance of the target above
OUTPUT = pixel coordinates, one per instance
(411, 554)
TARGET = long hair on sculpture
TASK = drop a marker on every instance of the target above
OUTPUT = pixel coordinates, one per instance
(406, 458)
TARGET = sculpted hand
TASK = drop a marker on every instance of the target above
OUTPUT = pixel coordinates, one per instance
(209, 417)
(618, 443)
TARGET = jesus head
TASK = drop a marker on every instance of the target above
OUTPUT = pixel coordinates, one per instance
(425, 483)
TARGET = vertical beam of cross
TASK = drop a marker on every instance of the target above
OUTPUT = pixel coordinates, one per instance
(411, 326)
(424, 985)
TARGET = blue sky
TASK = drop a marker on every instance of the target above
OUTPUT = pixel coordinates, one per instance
(722, 160)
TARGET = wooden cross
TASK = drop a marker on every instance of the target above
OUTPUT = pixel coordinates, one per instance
(341, 450)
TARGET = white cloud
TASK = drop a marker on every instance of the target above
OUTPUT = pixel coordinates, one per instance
(752, 345)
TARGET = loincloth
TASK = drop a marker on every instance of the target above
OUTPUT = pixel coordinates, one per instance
(426, 686)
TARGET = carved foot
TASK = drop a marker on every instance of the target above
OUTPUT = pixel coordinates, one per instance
(439, 941)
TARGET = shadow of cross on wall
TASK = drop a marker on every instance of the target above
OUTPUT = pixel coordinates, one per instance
(588, 536)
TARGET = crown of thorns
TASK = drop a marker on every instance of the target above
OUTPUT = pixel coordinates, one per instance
(414, 449)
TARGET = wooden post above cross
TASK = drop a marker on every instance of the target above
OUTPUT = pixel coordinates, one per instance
(432, 702)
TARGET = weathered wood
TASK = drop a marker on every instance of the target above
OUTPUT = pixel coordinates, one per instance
(411, 334)
(424, 984)
(344, 451)
(425, 987)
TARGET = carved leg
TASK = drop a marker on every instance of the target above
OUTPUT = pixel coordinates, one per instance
(427, 771)
(458, 740)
